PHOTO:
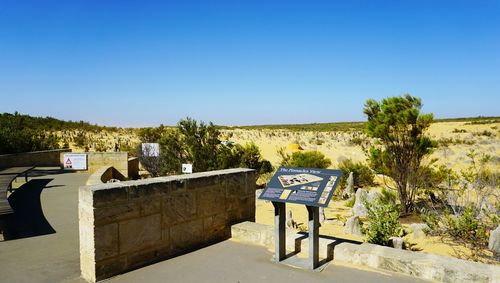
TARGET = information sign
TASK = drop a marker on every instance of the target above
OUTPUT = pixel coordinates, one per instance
(309, 186)
(151, 149)
(187, 168)
(75, 161)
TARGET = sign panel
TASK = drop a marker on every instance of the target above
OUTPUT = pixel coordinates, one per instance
(187, 168)
(309, 186)
(75, 161)
(151, 149)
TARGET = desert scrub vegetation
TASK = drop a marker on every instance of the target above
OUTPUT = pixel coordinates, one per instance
(316, 140)
(465, 205)
(81, 139)
(482, 120)
(349, 126)
(383, 222)
(485, 133)
(318, 127)
(199, 144)
(456, 131)
(309, 159)
(362, 174)
(445, 142)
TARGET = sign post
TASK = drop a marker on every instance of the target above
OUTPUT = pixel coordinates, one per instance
(279, 231)
(309, 186)
(313, 225)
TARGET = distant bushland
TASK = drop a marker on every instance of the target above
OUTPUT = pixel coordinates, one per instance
(19, 134)
(350, 126)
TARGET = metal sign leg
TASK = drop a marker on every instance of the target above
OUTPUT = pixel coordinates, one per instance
(313, 236)
(279, 231)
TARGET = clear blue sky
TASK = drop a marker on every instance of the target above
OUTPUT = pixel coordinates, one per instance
(140, 63)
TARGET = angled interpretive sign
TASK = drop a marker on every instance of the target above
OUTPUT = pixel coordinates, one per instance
(309, 186)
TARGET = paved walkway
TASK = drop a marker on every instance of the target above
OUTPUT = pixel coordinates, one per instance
(232, 262)
(46, 251)
(45, 247)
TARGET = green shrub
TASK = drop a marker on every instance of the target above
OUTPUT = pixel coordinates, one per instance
(357, 141)
(485, 133)
(466, 227)
(15, 140)
(350, 202)
(308, 159)
(387, 196)
(248, 156)
(266, 167)
(363, 175)
(383, 223)
(431, 219)
(316, 141)
(129, 147)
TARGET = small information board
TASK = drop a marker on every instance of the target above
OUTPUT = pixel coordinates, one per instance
(309, 186)
(187, 168)
(75, 161)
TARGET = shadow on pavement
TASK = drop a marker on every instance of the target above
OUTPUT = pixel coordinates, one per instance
(28, 219)
(330, 246)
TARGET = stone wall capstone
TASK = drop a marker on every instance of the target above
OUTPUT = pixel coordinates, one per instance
(131, 224)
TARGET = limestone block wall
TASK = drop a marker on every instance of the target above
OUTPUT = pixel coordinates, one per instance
(34, 158)
(96, 160)
(131, 224)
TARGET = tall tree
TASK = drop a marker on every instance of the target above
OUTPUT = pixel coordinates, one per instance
(400, 127)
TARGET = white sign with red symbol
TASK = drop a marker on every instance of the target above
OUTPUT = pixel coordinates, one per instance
(75, 161)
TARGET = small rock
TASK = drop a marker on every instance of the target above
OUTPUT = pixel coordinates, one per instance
(359, 208)
(494, 242)
(418, 230)
(353, 226)
(349, 191)
(258, 193)
(486, 209)
(290, 223)
(322, 215)
(372, 196)
(361, 195)
(396, 242)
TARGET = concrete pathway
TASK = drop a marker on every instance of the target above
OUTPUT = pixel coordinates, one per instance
(232, 262)
(49, 257)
